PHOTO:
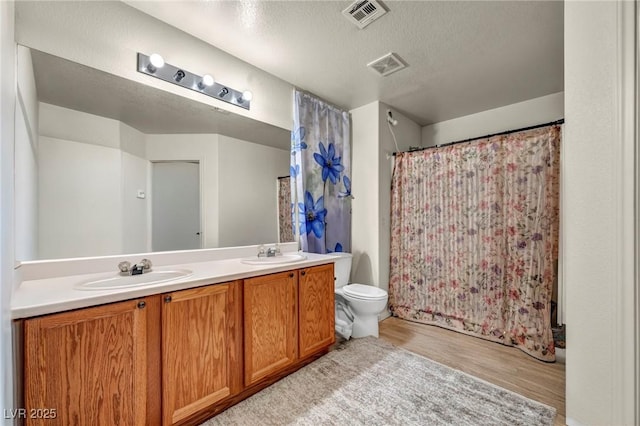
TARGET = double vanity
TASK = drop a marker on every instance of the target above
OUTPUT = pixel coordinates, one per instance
(174, 351)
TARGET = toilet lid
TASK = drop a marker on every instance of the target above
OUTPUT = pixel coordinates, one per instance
(362, 291)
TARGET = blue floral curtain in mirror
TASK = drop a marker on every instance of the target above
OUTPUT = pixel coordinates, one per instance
(321, 175)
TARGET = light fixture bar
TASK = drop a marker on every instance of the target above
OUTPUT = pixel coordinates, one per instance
(189, 80)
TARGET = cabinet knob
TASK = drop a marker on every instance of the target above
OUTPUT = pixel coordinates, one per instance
(142, 304)
(290, 274)
(167, 299)
(303, 273)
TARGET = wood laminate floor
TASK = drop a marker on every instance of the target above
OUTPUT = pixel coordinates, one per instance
(501, 365)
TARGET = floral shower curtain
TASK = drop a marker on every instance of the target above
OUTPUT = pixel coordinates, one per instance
(320, 175)
(285, 224)
(474, 237)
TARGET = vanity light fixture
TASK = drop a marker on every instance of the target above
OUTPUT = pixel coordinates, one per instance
(179, 76)
(155, 66)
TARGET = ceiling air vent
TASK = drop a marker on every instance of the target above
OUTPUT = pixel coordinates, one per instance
(388, 64)
(362, 13)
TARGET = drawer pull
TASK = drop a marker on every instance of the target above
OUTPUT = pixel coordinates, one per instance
(142, 304)
(167, 299)
(303, 273)
(290, 274)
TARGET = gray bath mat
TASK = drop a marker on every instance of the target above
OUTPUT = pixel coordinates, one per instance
(370, 382)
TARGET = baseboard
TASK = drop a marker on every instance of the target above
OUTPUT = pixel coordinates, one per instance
(571, 422)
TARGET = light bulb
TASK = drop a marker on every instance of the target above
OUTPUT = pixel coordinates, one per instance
(155, 61)
(206, 81)
(247, 95)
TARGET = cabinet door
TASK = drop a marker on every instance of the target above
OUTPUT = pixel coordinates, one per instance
(201, 349)
(88, 366)
(270, 324)
(316, 309)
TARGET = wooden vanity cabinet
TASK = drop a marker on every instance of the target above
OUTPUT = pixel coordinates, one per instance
(87, 366)
(270, 324)
(316, 311)
(175, 358)
(201, 349)
(287, 317)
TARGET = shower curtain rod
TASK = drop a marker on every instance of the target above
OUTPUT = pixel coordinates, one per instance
(506, 132)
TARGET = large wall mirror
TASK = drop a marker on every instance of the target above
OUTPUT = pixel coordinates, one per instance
(106, 166)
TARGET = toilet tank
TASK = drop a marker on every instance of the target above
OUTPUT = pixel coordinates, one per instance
(342, 268)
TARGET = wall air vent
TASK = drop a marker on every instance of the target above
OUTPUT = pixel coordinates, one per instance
(364, 12)
(387, 64)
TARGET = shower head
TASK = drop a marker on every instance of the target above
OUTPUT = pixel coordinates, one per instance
(390, 118)
(392, 122)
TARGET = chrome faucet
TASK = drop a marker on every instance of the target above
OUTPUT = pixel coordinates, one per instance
(126, 269)
(274, 251)
(270, 252)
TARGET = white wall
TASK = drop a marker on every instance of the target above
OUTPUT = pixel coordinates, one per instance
(135, 210)
(132, 141)
(26, 159)
(100, 164)
(108, 35)
(67, 124)
(365, 190)
(7, 282)
(247, 177)
(135, 177)
(372, 149)
(522, 114)
(26, 88)
(80, 201)
(597, 179)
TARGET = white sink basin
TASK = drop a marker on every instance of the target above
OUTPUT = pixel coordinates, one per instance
(275, 260)
(124, 281)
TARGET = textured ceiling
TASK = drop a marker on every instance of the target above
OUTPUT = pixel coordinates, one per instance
(463, 57)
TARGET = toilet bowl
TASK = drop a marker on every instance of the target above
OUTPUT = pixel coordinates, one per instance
(366, 301)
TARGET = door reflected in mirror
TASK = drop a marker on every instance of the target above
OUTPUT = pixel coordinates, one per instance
(175, 207)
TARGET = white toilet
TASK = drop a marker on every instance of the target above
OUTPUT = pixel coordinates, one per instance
(366, 301)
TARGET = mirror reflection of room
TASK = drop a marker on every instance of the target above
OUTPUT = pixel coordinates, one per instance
(108, 167)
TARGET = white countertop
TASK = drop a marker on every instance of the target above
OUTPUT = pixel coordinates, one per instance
(57, 294)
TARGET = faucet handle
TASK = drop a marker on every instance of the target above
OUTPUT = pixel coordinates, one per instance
(124, 266)
(146, 264)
